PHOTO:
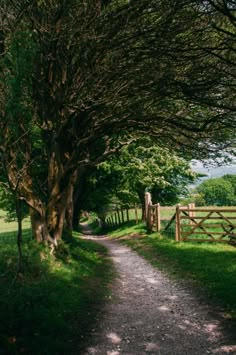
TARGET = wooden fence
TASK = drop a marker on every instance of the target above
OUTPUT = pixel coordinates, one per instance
(202, 224)
(120, 216)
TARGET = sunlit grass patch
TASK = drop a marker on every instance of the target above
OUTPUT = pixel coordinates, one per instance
(8, 231)
(130, 229)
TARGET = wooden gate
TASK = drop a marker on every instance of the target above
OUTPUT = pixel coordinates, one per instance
(206, 224)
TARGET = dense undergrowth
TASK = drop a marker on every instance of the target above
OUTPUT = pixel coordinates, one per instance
(54, 304)
(211, 267)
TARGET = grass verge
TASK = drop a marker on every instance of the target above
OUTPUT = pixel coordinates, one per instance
(210, 267)
(54, 304)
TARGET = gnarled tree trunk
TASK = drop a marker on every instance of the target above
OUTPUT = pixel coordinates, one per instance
(60, 202)
(39, 227)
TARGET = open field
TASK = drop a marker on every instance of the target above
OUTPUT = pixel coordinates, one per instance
(8, 230)
(6, 226)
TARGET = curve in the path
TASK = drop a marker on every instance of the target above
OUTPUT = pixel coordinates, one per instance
(151, 314)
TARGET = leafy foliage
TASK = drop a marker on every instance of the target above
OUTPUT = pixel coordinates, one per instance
(82, 80)
(141, 166)
(218, 191)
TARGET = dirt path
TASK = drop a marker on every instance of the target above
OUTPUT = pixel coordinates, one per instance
(150, 314)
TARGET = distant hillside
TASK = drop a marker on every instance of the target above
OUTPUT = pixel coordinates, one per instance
(212, 171)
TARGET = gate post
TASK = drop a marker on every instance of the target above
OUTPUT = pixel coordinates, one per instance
(158, 217)
(177, 228)
(148, 201)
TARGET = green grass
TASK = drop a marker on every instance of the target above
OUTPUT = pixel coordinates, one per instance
(129, 229)
(210, 267)
(6, 227)
(168, 211)
(54, 304)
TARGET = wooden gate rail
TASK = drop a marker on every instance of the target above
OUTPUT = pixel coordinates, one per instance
(194, 224)
(226, 228)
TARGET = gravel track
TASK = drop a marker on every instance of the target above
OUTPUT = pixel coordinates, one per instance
(150, 314)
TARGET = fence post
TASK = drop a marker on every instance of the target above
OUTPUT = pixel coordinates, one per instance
(136, 214)
(118, 214)
(158, 217)
(149, 218)
(127, 214)
(115, 215)
(148, 201)
(122, 216)
(177, 228)
(112, 220)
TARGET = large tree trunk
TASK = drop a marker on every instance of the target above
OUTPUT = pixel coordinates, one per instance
(76, 215)
(61, 201)
(56, 214)
(69, 211)
(69, 215)
(39, 227)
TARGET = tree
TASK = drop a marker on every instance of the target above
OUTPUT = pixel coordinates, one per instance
(123, 179)
(22, 152)
(94, 83)
(217, 191)
(103, 188)
(163, 173)
(232, 179)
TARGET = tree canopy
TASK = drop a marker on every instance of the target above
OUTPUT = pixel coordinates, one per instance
(218, 191)
(122, 180)
(79, 80)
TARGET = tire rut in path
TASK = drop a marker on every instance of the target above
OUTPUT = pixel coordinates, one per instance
(151, 314)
